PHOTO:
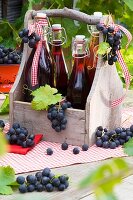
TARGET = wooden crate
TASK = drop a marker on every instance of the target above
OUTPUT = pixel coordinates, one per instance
(81, 123)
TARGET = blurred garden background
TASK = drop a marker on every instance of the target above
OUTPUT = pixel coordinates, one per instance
(12, 17)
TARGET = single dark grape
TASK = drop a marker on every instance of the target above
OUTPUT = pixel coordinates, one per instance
(13, 139)
(60, 116)
(117, 142)
(85, 147)
(110, 61)
(49, 151)
(29, 143)
(105, 130)
(105, 138)
(123, 135)
(46, 171)
(118, 130)
(98, 133)
(105, 144)
(25, 39)
(39, 187)
(21, 35)
(30, 188)
(122, 141)
(129, 133)
(22, 137)
(38, 176)
(99, 143)
(32, 43)
(45, 180)
(76, 150)
(20, 180)
(64, 121)
(105, 31)
(37, 38)
(49, 187)
(55, 182)
(127, 138)
(64, 146)
(112, 145)
(23, 144)
(31, 179)
(100, 128)
(25, 32)
(64, 106)
(66, 184)
(2, 124)
(57, 129)
(99, 27)
(55, 122)
(63, 126)
(54, 114)
(131, 128)
(51, 175)
(110, 29)
(22, 188)
(69, 105)
(31, 136)
(61, 187)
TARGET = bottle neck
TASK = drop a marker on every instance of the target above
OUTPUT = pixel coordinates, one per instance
(94, 39)
(57, 35)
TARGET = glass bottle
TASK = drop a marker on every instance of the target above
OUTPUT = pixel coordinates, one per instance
(44, 75)
(78, 86)
(61, 72)
(91, 61)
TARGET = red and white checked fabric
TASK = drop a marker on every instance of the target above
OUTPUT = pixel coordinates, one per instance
(38, 28)
(123, 65)
(36, 159)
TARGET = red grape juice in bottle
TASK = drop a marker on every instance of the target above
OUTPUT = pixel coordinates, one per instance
(61, 72)
(78, 86)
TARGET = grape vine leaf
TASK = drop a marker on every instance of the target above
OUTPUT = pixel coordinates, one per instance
(129, 3)
(7, 176)
(45, 96)
(5, 105)
(105, 178)
(102, 49)
(128, 147)
(3, 143)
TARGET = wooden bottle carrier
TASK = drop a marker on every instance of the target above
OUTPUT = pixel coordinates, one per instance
(81, 123)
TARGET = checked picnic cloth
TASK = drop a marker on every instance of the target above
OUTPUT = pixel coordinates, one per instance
(37, 159)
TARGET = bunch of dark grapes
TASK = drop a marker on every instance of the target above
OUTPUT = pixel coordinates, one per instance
(114, 138)
(30, 39)
(114, 39)
(57, 116)
(19, 135)
(41, 181)
(9, 55)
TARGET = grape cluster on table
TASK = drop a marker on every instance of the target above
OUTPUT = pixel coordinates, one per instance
(20, 136)
(42, 181)
(112, 37)
(114, 138)
(30, 39)
(57, 116)
(9, 55)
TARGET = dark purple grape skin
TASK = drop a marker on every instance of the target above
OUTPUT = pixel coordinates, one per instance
(99, 27)
(99, 143)
(105, 144)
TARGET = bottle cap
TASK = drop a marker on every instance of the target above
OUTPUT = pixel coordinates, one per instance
(41, 15)
(80, 37)
(56, 26)
(98, 14)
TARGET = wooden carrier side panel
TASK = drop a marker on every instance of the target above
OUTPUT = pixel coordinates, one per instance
(37, 122)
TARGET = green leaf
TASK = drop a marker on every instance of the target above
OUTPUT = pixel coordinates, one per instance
(7, 176)
(101, 195)
(106, 176)
(128, 147)
(6, 190)
(129, 3)
(1, 38)
(45, 96)
(5, 105)
(3, 144)
(14, 184)
(102, 49)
